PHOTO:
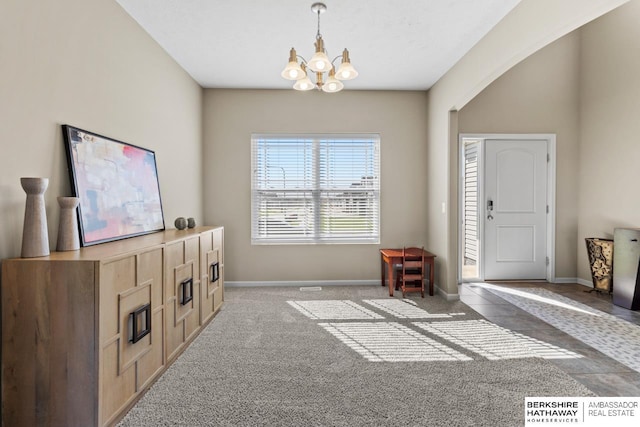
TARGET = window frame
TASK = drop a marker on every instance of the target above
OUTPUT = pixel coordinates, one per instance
(321, 199)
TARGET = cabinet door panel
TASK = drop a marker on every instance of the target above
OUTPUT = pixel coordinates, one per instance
(174, 336)
(127, 286)
(117, 385)
(209, 257)
(192, 253)
(218, 294)
(116, 389)
(174, 332)
(184, 289)
(192, 320)
(129, 302)
(212, 273)
(150, 270)
(182, 263)
(218, 244)
(152, 362)
(115, 277)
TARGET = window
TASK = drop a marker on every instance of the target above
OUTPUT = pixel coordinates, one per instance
(315, 189)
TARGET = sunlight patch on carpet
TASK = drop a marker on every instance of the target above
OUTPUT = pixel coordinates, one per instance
(334, 310)
(391, 342)
(405, 309)
(494, 342)
(394, 342)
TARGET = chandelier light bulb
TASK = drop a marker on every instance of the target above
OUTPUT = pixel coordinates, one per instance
(332, 85)
(292, 71)
(303, 83)
(320, 61)
(346, 70)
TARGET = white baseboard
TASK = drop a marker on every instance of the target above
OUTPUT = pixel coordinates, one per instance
(300, 283)
(583, 282)
(587, 283)
(565, 280)
(446, 296)
(315, 283)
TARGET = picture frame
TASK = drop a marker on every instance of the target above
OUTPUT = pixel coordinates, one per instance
(117, 184)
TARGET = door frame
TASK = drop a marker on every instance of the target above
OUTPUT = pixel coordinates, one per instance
(481, 138)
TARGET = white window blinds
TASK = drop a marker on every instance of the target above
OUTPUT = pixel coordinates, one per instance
(315, 189)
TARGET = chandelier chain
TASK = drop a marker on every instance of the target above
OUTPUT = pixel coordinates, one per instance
(318, 35)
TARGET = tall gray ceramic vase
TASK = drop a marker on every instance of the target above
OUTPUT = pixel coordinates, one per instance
(35, 236)
(68, 237)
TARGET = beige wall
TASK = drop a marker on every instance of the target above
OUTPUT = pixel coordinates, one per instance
(540, 95)
(88, 64)
(609, 177)
(532, 25)
(231, 116)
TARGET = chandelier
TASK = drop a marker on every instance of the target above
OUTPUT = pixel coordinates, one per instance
(319, 64)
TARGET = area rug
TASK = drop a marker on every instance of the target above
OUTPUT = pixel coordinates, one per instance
(608, 334)
(347, 356)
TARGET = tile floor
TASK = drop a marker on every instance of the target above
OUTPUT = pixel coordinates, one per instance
(601, 374)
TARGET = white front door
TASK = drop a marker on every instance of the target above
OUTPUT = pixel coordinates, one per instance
(515, 214)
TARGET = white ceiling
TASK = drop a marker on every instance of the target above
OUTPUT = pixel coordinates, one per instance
(394, 45)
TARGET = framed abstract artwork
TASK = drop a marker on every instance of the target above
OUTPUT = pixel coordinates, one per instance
(117, 184)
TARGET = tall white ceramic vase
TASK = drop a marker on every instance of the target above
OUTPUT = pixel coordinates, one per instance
(35, 236)
(68, 237)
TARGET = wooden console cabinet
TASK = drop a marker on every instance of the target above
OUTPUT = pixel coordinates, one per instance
(85, 332)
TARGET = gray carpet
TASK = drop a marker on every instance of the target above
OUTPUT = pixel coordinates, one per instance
(285, 357)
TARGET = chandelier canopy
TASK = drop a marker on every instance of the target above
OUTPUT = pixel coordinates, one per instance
(319, 64)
